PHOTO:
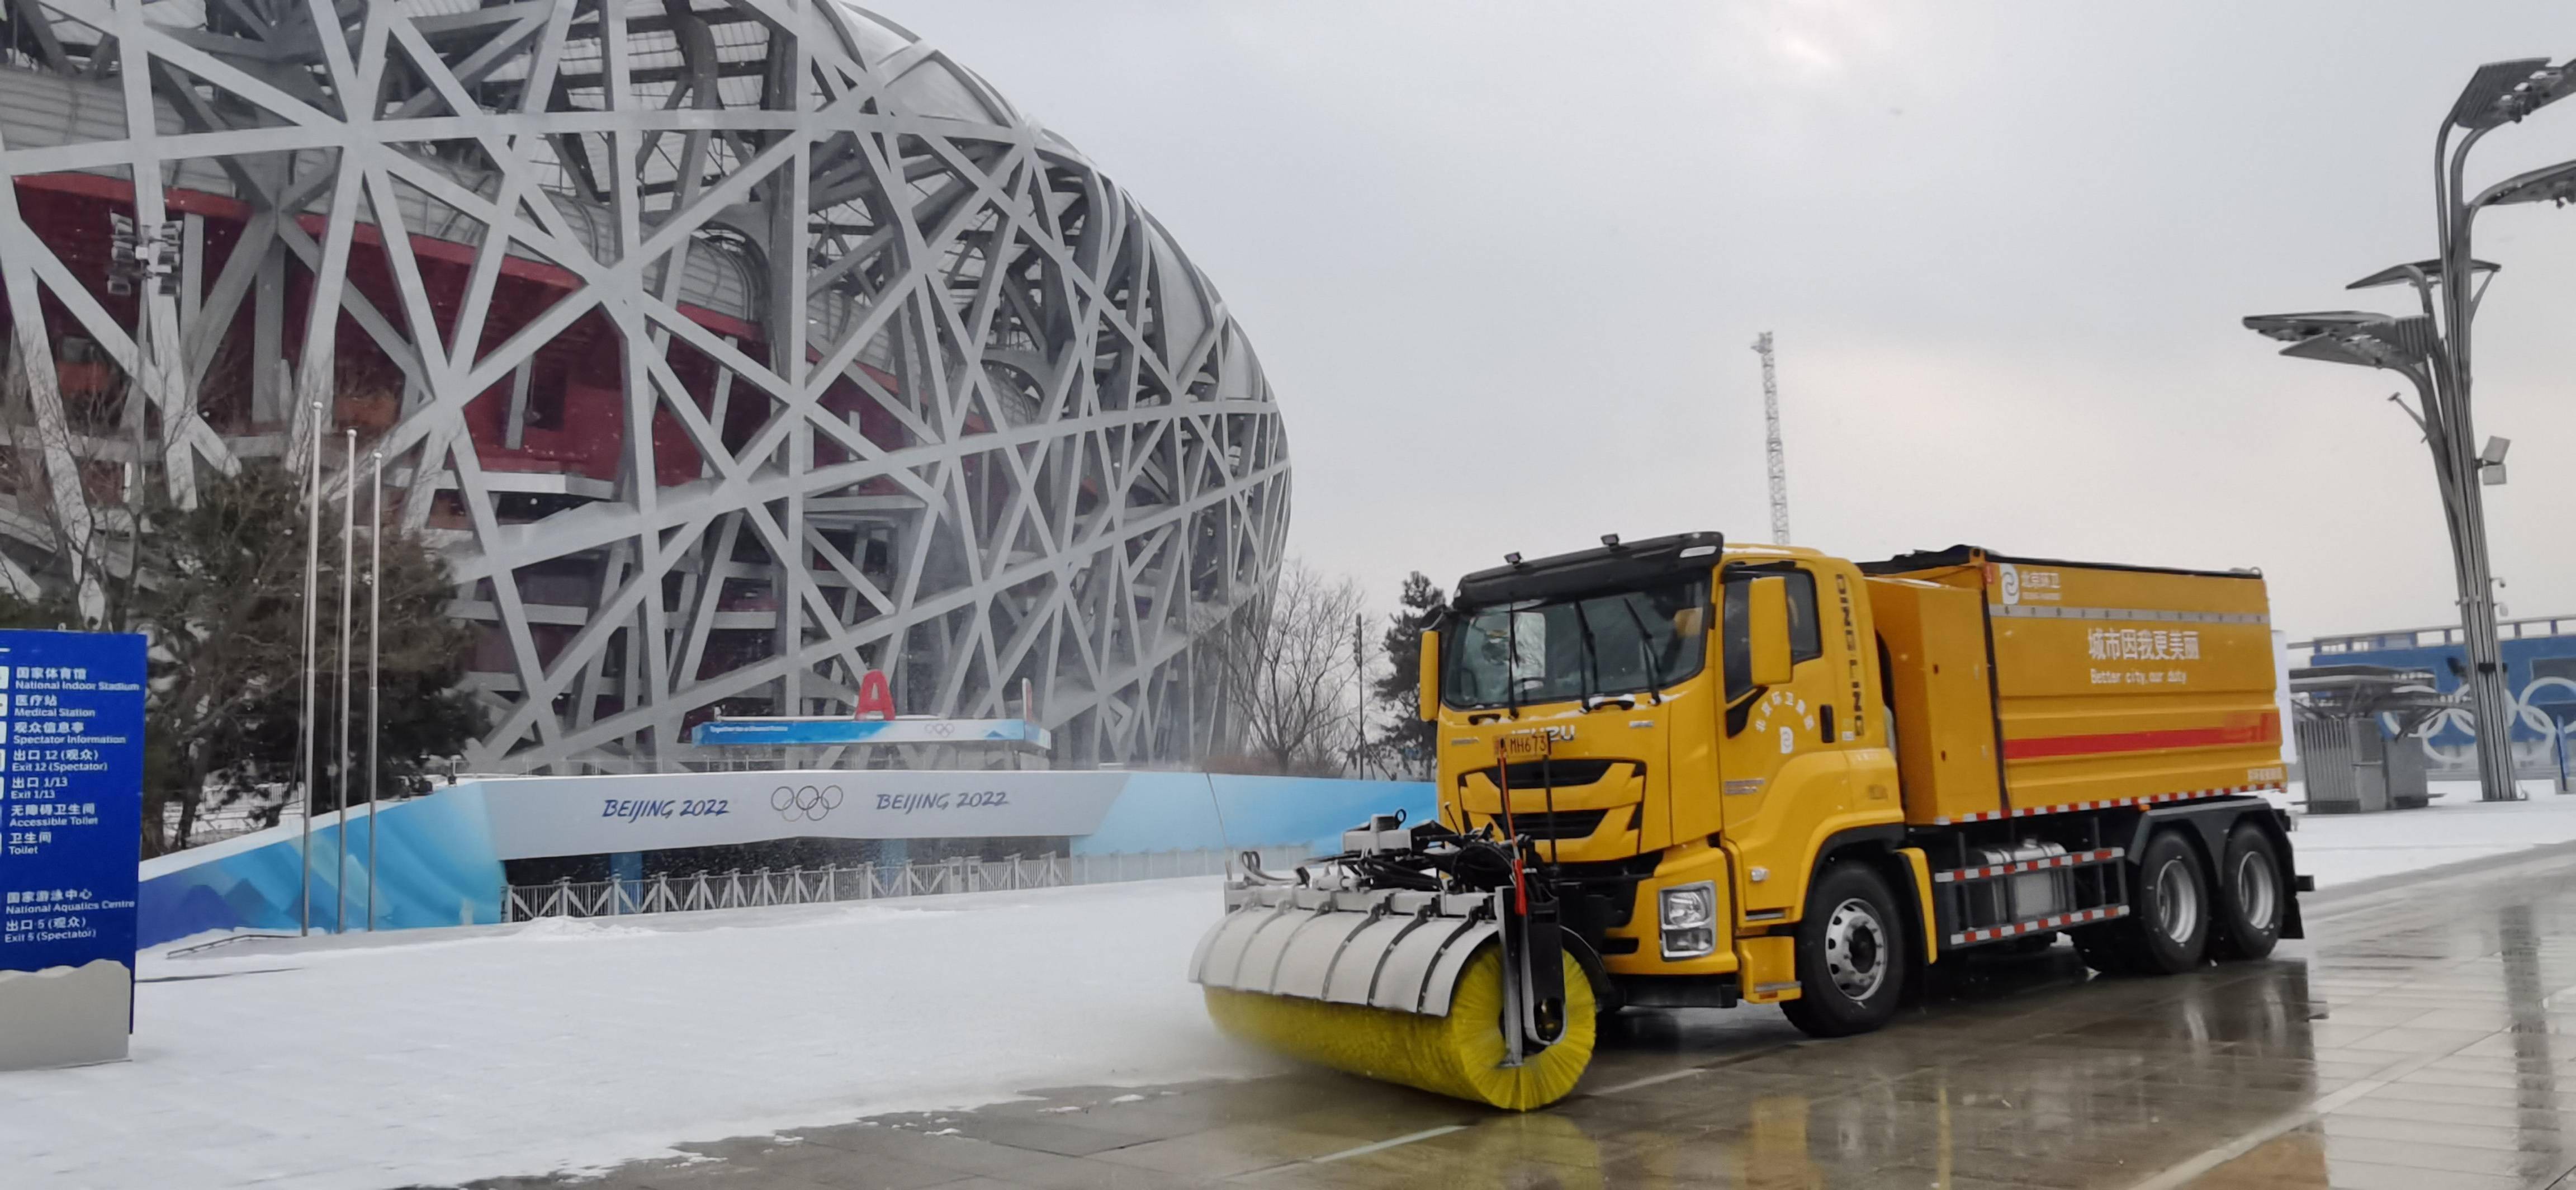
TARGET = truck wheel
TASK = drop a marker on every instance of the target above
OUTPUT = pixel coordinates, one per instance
(2169, 912)
(1851, 954)
(2249, 895)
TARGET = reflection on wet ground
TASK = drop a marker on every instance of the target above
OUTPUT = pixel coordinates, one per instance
(2413, 1042)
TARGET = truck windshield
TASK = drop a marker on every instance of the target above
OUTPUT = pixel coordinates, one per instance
(1618, 642)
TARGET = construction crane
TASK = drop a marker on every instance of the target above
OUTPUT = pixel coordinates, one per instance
(1779, 458)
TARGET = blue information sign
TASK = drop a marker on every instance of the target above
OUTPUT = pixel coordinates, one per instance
(72, 816)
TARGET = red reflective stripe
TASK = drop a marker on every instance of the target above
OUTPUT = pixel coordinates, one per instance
(2080, 917)
(2019, 866)
(2265, 730)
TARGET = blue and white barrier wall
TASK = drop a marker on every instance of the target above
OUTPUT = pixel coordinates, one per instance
(439, 857)
(1185, 811)
(434, 858)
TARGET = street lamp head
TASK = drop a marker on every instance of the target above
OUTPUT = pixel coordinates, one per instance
(2335, 350)
(2551, 184)
(2293, 328)
(2503, 92)
(2349, 337)
(2421, 272)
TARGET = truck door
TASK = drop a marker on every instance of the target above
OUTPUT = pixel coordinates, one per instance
(1784, 751)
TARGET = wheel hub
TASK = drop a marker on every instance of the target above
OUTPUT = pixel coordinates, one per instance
(2257, 893)
(2177, 900)
(1855, 949)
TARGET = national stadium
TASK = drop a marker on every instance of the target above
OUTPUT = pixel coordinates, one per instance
(731, 350)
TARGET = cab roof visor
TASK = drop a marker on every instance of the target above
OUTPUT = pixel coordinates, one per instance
(1604, 568)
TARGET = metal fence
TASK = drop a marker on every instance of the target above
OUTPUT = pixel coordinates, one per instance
(866, 882)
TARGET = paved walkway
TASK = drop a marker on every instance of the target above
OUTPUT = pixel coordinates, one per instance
(2413, 1042)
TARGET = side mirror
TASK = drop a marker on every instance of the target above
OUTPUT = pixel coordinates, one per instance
(1766, 613)
(1430, 676)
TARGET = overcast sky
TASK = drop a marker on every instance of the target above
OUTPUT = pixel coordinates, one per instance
(1504, 264)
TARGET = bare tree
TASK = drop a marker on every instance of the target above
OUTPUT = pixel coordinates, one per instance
(1286, 668)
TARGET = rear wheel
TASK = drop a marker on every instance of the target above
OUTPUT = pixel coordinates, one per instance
(1851, 954)
(2250, 895)
(2167, 930)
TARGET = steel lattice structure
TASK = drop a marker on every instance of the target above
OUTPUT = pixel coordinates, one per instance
(733, 347)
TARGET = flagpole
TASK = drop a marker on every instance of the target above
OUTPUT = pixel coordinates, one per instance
(348, 592)
(375, 670)
(304, 708)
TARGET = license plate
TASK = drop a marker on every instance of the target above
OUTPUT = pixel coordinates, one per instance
(1527, 745)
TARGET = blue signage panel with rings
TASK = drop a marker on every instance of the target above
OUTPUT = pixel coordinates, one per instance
(71, 807)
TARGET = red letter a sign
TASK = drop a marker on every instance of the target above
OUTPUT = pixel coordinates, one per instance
(876, 697)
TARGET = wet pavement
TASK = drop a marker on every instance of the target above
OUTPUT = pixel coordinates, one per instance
(2412, 1042)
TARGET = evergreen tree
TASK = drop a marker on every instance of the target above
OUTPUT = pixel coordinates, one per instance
(218, 588)
(1406, 744)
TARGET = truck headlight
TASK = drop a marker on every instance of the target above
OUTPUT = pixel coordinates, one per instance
(1689, 920)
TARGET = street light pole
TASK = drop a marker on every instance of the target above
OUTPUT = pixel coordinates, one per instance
(2458, 474)
(2433, 352)
(2412, 348)
(2497, 94)
(2489, 706)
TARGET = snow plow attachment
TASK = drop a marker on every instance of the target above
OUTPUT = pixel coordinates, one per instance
(1417, 957)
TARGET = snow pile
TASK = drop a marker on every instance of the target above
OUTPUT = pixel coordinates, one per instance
(441, 1056)
(2345, 848)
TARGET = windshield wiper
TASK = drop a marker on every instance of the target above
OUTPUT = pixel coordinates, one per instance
(1591, 660)
(1646, 646)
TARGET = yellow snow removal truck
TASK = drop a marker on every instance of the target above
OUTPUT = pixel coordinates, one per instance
(1681, 773)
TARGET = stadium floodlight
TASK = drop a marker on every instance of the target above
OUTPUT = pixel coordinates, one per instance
(2503, 92)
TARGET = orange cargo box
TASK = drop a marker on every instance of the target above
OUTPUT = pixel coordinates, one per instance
(2026, 685)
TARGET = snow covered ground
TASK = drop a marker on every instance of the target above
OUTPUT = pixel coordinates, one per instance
(438, 1056)
(2345, 848)
(443, 1055)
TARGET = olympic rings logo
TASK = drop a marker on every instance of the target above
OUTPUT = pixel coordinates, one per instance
(2527, 709)
(805, 802)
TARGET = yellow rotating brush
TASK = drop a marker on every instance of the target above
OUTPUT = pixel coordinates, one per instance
(1460, 1054)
